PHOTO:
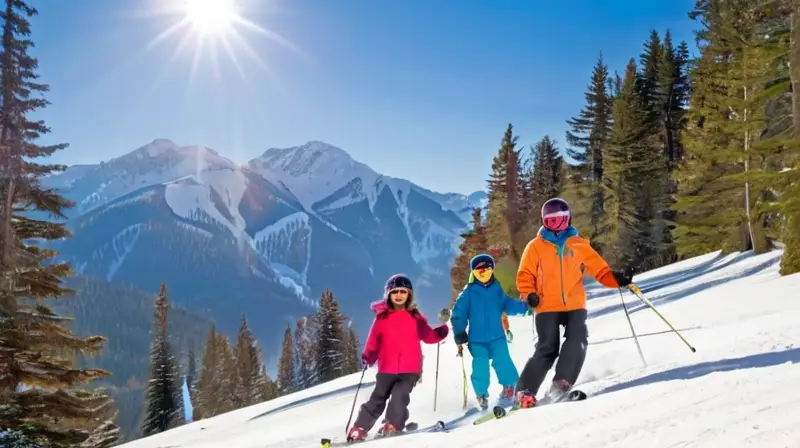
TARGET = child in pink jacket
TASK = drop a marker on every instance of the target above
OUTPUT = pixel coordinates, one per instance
(394, 342)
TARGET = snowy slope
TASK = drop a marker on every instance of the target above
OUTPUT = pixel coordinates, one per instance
(157, 162)
(326, 179)
(739, 389)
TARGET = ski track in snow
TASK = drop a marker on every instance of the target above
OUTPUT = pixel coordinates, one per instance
(738, 390)
(122, 244)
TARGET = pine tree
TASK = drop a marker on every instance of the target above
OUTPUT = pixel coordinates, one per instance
(547, 172)
(191, 373)
(250, 380)
(163, 396)
(352, 351)
(790, 262)
(226, 375)
(474, 242)
(270, 387)
(675, 92)
(104, 436)
(588, 139)
(526, 201)
(330, 342)
(496, 216)
(305, 336)
(286, 369)
(729, 159)
(513, 196)
(205, 404)
(36, 347)
(634, 170)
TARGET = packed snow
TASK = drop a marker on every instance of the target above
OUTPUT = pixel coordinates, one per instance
(739, 388)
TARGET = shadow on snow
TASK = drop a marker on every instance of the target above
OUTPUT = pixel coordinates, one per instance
(659, 300)
(307, 400)
(641, 335)
(758, 360)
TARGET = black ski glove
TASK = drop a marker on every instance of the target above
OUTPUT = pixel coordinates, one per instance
(622, 277)
(441, 331)
(461, 338)
(533, 300)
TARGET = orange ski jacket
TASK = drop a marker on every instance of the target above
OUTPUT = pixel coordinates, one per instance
(553, 267)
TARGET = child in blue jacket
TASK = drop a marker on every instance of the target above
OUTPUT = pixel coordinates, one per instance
(481, 305)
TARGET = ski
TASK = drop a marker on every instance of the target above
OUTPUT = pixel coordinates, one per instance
(436, 427)
(499, 412)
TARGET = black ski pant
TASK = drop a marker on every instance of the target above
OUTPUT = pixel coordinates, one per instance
(396, 388)
(573, 352)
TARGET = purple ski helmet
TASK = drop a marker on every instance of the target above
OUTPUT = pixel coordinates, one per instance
(556, 215)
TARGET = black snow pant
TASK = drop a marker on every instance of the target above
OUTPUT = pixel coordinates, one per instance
(573, 352)
(398, 387)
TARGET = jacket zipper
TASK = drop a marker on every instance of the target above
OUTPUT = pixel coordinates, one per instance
(560, 253)
(561, 273)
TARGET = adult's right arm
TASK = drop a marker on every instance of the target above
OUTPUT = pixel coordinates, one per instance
(527, 271)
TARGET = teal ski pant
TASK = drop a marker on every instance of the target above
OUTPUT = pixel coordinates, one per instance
(504, 368)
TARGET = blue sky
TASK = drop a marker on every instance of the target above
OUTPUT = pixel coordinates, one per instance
(416, 89)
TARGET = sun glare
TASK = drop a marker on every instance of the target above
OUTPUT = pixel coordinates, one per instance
(214, 28)
(211, 16)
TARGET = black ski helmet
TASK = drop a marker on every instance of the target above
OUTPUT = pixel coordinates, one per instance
(556, 215)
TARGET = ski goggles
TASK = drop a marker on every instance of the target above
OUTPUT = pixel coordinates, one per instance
(482, 262)
(556, 221)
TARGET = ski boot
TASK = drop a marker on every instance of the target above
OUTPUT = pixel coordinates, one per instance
(356, 434)
(558, 389)
(506, 396)
(387, 430)
(483, 402)
(525, 399)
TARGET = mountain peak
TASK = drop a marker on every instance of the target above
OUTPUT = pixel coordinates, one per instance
(312, 171)
(311, 157)
(156, 148)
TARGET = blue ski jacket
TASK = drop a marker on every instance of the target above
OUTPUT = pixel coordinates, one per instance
(481, 306)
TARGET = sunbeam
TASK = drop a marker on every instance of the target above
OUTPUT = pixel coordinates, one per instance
(215, 27)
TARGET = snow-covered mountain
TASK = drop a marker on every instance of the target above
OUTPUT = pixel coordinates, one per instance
(738, 390)
(265, 238)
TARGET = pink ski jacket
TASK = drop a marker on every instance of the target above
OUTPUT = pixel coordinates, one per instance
(394, 339)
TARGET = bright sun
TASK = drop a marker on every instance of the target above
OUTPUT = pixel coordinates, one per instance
(211, 16)
(214, 27)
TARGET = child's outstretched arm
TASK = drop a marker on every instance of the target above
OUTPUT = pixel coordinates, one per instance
(514, 306)
(460, 315)
(430, 335)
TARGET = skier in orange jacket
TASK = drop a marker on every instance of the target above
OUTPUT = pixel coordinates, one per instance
(550, 277)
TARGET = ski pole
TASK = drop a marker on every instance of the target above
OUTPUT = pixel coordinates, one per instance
(630, 323)
(436, 381)
(463, 375)
(638, 293)
(360, 381)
